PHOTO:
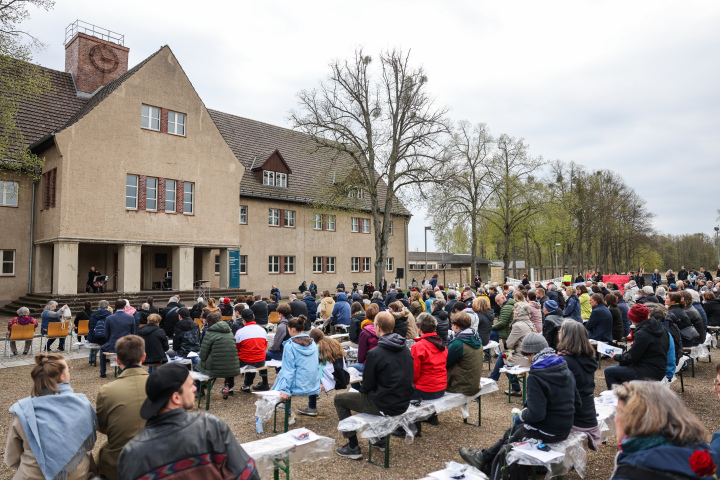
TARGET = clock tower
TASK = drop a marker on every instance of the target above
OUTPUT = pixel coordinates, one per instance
(94, 56)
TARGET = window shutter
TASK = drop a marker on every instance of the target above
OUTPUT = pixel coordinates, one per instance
(324, 264)
(324, 227)
(281, 214)
(179, 196)
(282, 263)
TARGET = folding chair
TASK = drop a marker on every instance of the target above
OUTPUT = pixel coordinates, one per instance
(20, 333)
(274, 317)
(82, 329)
(199, 323)
(57, 330)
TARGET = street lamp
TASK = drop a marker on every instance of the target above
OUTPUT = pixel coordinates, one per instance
(717, 230)
(556, 261)
(426, 230)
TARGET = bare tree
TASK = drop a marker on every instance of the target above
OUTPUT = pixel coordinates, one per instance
(385, 122)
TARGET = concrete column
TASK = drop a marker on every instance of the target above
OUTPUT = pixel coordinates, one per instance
(183, 263)
(208, 265)
(42, 268)
(224, 268)
(65, 268)
(129, 268)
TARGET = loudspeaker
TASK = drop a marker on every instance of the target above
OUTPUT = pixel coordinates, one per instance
(400, 272)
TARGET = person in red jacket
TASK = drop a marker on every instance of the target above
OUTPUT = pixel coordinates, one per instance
(430, 366)
(251, 343)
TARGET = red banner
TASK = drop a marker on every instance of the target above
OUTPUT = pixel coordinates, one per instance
(619, 280)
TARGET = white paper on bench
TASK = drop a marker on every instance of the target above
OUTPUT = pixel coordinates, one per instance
(515, 370)
(447, 475)
(263, 451)
(201, 377)
(289, 436)
(544, 457)
(602, 347)
(574, 452)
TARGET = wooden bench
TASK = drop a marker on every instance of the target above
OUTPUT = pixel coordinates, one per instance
(521, 374)
(94, 349)
(112, 358)
(205, 381)
(491, 344)
(274, 454)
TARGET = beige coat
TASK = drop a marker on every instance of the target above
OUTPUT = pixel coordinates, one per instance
(118, 411)
(326, 307)
(18, 456)
(520, 328)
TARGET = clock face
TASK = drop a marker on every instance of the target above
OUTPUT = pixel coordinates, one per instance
(104, 58)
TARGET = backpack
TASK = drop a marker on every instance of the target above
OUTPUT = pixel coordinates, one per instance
(341, 376)
(100, 328)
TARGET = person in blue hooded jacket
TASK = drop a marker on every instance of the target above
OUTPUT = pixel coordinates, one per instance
(300, 372)
(572, 306)
(658, 435)
(600, 323)
(341, 310)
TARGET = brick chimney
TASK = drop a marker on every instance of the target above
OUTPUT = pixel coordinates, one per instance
(94, 56)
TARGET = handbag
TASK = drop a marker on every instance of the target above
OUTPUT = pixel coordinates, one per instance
(689, 334)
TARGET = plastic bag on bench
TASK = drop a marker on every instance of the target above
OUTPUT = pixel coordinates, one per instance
(574, 452)
(265, 408)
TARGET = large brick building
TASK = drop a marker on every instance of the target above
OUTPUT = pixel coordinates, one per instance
(140, 176)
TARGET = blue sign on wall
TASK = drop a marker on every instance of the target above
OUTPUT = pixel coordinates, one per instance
(234, 268)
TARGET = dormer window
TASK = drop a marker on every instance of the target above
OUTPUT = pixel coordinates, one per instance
(355, 193)
(274, 179)
(274, 171)
(281, 180)
(269, 178)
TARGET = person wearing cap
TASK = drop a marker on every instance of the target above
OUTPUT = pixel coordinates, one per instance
(118, 404)
(599, 325)
(175, 441)
(647, 358)
(218, 355)
(187, 336)
(548, 415)
(117, 325)
(251, 342)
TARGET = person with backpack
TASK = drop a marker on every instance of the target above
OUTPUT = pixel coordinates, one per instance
(333, 369)
(96, 325)
(186, 337)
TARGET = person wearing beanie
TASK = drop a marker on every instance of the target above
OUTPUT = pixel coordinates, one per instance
(520, 328)
(647, 358)
(549, 410)
(226, 308)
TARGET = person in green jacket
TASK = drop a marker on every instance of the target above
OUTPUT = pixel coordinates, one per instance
(218, 354)
(505, 319)
(465, 357)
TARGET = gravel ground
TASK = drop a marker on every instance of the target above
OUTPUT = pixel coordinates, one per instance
(438, 444)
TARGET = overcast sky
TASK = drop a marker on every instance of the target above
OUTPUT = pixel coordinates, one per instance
(629, 86)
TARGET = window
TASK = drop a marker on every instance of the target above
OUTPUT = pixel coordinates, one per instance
(289, 218)
(355, 193)
(170, 189)
(189, 199)
(366, 225)
(274, 217)
(366, 264)
(8, 262)
(217, 264)
(274, 264)
(150, 118)
(354, 224)
(151, 193)
(268, 178)
(389, 264)
(330, 265)
(176, 123)
(131, 192)
(317, 221)
(317, 264)
(289, 265)
(243, 215)
(243, 264)
(331, 223)
(355, 264)
(391, 227)
(8, 194)
(281, 180)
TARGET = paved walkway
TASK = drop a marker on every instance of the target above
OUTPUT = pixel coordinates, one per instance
(22, 360)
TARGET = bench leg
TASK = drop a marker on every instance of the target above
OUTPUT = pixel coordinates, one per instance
(682, 383)
(479, 423)
(210, 384)
(387, 453)
(692, 365)
(281, 464)
(287, 405)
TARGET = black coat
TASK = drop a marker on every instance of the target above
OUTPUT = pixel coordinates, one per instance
(617, 328)
(552, 399)
(298, 307)
(355, 329)
(485, 323)
(712, 310)
(443, 324)
(648, 354)
(186, 338)
(583, 369)
(388, 375)
(170, 318)
(449, 306)
(260, 309)
(156, 343)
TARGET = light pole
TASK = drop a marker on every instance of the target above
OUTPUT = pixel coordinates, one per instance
(426, 230)
(717, 230)
(556, 245)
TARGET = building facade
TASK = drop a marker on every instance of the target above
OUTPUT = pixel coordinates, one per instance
(140, 176)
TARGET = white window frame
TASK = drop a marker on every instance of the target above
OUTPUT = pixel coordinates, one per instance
(355, 192)
(391, 227)
(128, 195)
(331, 223)
(191, 202)
(366, 264)
(176, 123)
(389, 264)
(9, 194)
(289, 218)
(151, 196)
(269, 178)
(274, 264)
(242, 264)
(281, 180)
(365, 223)
(243, 215)
(146, 116)
(317, 221)
(354, 264)
(217, 264)
(330, 266)
(317, 264)
(289, 266)
(274, 217)
(4, 262)
(170, 199)
(354, 224)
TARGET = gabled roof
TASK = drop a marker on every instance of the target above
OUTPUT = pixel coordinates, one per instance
(262, 166)
(312, 170)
